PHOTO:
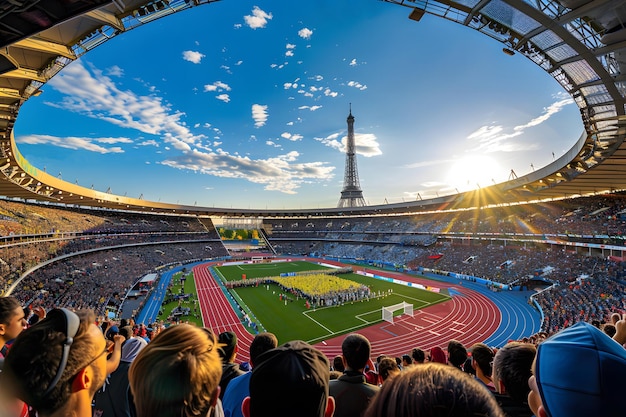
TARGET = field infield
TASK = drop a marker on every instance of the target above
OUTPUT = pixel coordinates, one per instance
(291, 317)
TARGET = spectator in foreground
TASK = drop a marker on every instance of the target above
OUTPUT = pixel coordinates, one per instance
(388, 368)
(437, 355)
(578, 372)
(227, 350)
(290, 380)
(511, 371)
(433, 390)
(12, 322)
(338, 364)
(57, 365)
(481, 362)
(239, 388)
(177, 374)
(114, 398)
(457, 354)
(351, 392)
(418, 355)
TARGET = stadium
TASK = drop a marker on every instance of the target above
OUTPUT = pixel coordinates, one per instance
(517, 260)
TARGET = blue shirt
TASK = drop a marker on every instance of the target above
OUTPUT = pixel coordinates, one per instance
(238, 389)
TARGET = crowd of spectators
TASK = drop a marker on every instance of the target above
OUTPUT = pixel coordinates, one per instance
(72, 363)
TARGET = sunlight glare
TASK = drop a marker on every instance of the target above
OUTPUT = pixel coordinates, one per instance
(473, 171)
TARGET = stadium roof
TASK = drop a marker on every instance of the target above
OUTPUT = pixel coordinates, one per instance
(580, 43)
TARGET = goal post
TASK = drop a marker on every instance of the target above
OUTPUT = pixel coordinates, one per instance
(388, 311)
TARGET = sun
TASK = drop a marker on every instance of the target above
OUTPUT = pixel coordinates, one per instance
(473, 171)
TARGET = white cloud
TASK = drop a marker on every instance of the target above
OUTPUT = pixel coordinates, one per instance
(289, 52)
(292, 137)
(366, 144)
(329, 93)
(259, 114)
(494, 138)
(305, 33)
(548, 112)
(149, 142)
(357, 84)
(193, 56)
(281, 173)
(258, 19)
(223, 97)
(95, 95)
(290, 46)
(75, 143)
(312, 108)
(217, 86)
(353, 62)
(115, 71)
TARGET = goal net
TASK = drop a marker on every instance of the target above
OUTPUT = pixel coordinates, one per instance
(389, 310)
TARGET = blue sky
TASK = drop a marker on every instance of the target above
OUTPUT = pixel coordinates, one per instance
(243, 104)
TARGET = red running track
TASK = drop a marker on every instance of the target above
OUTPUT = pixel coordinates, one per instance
(468, 317)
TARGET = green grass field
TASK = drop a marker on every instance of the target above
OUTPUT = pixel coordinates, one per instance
(292, 320)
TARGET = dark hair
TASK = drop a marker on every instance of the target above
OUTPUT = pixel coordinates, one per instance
(483, 356)
(418, 355)
(386, 367)
(433, 390)
(33, 361)
(457, 354)
(356, 351)
(7, 308)
(408, 359)
(609, 329)
(261, 343)
(511, 365)
(126, 331)
(338, 364)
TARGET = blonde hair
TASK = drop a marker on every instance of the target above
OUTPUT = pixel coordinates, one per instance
(177, 374)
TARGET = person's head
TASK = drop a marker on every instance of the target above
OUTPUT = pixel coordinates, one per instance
(433, 390)
(261, 343)
(437, 355)
(227, 348)
(482, 358)
(291, 379)
(12, 319)
(57, 365)
(457, 354)
(609, 329)
(131, 348)
(388, 368)
(576, 372)
(356, 351)
(511, 369)
(338, 364)
(177, 373)
(407, 360)
(418, 355)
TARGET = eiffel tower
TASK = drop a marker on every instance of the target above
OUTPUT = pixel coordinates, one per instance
(351, 195)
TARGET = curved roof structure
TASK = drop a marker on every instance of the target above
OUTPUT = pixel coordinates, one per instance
(580, 43)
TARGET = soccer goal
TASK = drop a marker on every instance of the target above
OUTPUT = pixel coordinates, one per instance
(389, 310)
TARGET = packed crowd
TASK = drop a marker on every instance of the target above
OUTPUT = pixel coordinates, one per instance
(62, 363)
(101, 280)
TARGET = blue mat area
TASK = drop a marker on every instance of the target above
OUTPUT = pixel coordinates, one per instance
(150, 311)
